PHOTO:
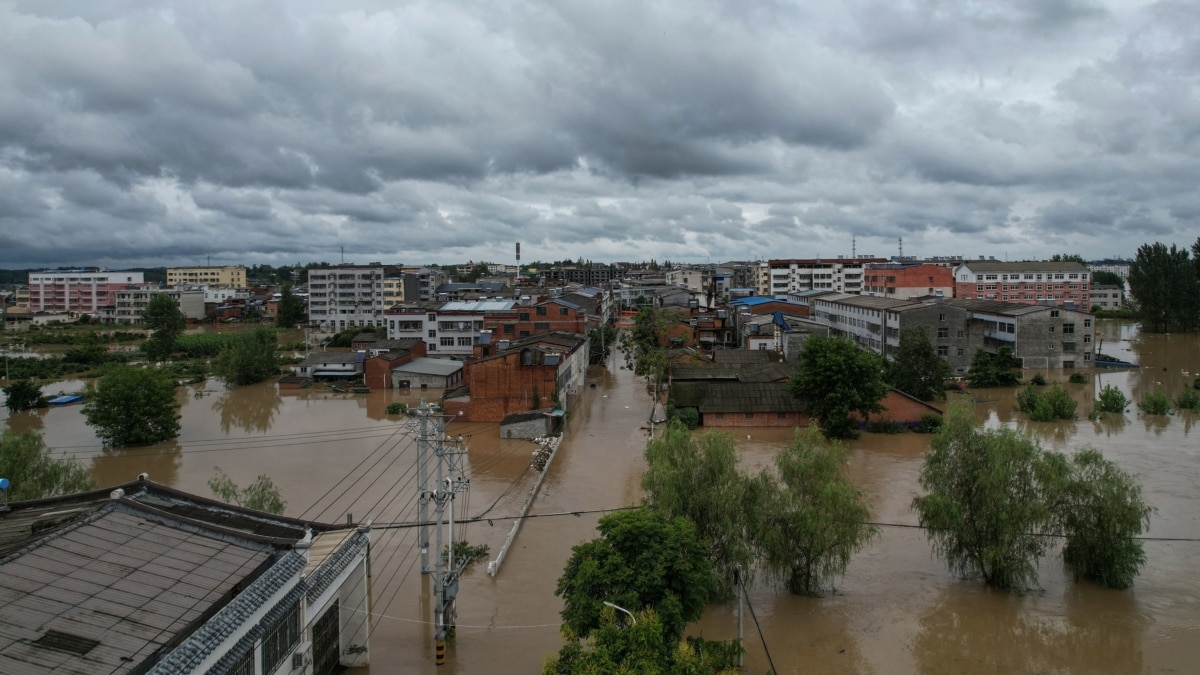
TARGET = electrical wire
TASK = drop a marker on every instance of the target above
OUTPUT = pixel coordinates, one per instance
(757, 627)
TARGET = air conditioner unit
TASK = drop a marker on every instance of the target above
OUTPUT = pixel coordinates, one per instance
(302, 656)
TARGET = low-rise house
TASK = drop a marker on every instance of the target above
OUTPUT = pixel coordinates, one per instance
(142, 578)
(332, 365)
(426, 373)
(1108, 297)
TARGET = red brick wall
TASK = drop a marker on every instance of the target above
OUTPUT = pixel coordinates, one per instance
(901, 408)
(502, 386)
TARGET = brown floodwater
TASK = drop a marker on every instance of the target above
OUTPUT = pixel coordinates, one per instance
(897, 609)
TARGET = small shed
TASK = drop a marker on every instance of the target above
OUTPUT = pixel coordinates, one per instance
(532, 424)
(427, 373)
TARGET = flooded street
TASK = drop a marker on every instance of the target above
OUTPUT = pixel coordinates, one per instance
(897, 610)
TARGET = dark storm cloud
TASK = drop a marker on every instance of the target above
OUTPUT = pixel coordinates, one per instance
(157, 132)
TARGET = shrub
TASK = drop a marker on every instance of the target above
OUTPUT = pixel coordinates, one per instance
(885, 427)
(1188, 399)
(1112, 400)
(1055, 404)
(1078, 378)
(1038, 379)
(1155, 403)
(689, 416)
(929, 424)
(396, 408)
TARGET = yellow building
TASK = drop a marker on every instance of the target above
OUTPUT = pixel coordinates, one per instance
(228, 276)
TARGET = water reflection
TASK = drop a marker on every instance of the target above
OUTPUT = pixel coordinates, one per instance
(1156, 424)
(1109, 424)
(986, 630)
(28, 420)
(251, 409)
(161, 461)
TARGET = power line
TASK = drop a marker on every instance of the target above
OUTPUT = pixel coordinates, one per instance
(757, 627)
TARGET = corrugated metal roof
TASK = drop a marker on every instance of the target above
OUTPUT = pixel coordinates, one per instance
(427, 366)
(478, 306)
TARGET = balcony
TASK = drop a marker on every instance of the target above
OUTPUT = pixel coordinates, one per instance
(1001, 336)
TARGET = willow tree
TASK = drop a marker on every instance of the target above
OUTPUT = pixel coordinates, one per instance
(814, 519)
(696, 477)
(985, 507)
(34, 472)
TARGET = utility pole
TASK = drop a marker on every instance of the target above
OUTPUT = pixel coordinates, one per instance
(737, 582)
(449, 481)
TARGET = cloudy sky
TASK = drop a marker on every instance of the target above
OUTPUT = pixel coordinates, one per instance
(152, 132)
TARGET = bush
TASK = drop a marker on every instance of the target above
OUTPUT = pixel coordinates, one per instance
(397, 408)
(1112, 400)
(1188, 399)
(1078, 378)
(929, 424)
(1038, 379)
(1055, 404)
(689, 416)
(886, 427)
(1155, 403)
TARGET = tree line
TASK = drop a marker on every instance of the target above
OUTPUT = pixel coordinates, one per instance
(1165, 285)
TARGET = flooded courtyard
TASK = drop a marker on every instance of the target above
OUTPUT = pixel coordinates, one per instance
(898, 610)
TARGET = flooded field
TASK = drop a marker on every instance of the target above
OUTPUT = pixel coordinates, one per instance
(897, 610)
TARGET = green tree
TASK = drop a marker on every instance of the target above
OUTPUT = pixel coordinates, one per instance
(1102, 513)
(23, 395)
(1111, 400)
(1165, 288)
(252, 357)
(1103, 278)
(479, 270)
(291, 307)
(814, 519)
(641, 560)
(162, 316)
(985, 503)
(90, 352)
(637, 646)
(696, 477)
(1055, 404)
(1067, 257)
(834, 379)
(1001, 369)
(33, 471)
(601, 343)
(261, 495)
(916, 369)
(133, 406)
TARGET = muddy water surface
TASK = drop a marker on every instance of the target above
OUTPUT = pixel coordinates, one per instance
(897, 610)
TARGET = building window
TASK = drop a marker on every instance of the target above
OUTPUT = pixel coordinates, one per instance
(943, 350)
(941, 317)
(523, 316)
(524, 333)
(508, 328)
(1087, 323)
(244, 665)
(960, 334)
(720, 416)
(1054, 314)
(432, 333)
(1087, 356)
(280, 638)
(541, 325)
(1068, 328)
(465, 341)
(1068, 364)
(943, 332)
(446, 342)
(1051, 328)
(562, 311)
(960, 351)
(782, 416)
(1087, 338)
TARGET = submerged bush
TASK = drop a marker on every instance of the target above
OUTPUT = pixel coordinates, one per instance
(1112, 400)
(1048, 406)
(1077, 378)
(1038, 379)
(1155, 403)
(1188, 399)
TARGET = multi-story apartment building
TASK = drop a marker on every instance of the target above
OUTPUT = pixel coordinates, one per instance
(449, 331)
(344, 296)
(1108, 297)
(1065, 284)
(902, 281)
(228, 276)
(82, 290)
(399, 288)
(592, 274)
(128, 303)
(1041, 336)
(1117, 267)
(843, 275)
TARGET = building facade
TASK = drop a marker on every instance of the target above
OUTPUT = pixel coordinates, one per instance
(83, 290)
(1108, 297)
(843, 275)
(228, 276)
(345, 296)
(1065, 284)
(903, 281)
(129, 303)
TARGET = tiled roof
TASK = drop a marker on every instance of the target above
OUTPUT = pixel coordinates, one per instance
(735, 397)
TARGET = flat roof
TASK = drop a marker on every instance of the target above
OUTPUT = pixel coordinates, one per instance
(424, 365)
(478, 305)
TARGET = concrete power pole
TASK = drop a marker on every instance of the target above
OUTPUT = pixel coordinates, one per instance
(450, 480)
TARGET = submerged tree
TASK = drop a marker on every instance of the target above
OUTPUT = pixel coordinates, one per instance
(23, 395)
(163, 316)
(638, 644)
(696, 477)
(814, 519)
(34, 472)
(252, 357)
(291, 307)
(1001, 369)
(261, 495)
(133, 406)
(984, 508)
(1165, 286)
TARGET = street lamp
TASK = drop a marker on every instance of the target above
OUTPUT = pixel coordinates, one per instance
(622, 609)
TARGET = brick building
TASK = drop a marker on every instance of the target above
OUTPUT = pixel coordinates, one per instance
(526, 375)
(82, 290)
(904, 281)
(1065, 284)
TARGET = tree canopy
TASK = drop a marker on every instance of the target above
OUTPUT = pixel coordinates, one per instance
(261, 495)
(133, 406)
(33, 471)
(916, 369)
(250, 358)
(291, 307)
(835, 379)
(1001, 369)
(163, 316)
(638, 646)
(641, 560)
(1106, 278)
(814, 519)
(1165, 285)
(993, 496)
(23, 395)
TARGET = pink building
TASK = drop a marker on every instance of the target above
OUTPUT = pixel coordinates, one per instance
(77, 290)
(1065, 284)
